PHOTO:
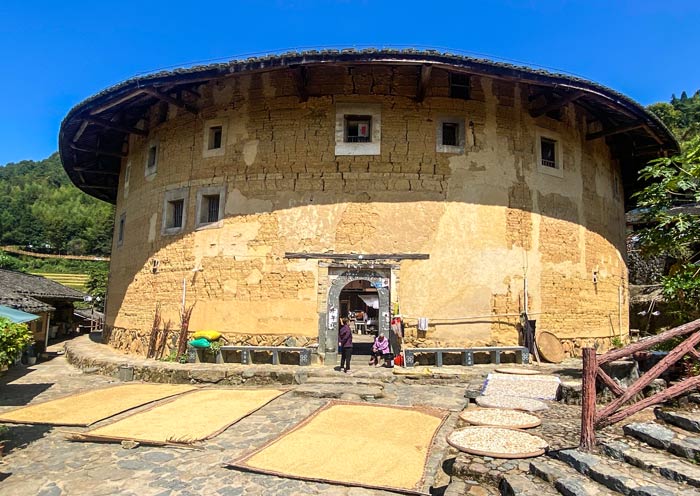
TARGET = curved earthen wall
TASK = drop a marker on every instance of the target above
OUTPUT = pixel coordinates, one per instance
(486, 216)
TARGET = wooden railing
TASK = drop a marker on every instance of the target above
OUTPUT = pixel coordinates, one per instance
(623, 406)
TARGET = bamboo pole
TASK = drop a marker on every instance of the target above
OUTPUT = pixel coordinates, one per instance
(588, 397)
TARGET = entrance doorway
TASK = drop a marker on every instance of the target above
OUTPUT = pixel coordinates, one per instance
(363, 296)
(359, 303)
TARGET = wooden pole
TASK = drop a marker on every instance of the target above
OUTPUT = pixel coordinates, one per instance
(588, 397)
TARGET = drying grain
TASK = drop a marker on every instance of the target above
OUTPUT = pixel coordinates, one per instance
(497, 442)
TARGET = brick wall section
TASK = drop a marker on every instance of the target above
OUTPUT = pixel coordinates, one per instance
(485, 217)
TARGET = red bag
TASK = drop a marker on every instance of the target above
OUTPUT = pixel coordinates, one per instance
(398, 360)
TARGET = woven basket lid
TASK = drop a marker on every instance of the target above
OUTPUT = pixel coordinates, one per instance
(497, 442)
(550, 347)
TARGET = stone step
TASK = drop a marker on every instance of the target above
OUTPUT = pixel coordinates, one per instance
(565, 479)
(622, 477)
(661, 437)
(657, 461)
(523, 485)
(685, 420)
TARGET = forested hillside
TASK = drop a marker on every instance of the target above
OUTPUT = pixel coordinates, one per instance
(41, 208)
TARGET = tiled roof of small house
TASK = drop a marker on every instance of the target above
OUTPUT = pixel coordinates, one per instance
(91, 140)
(21, 302)
(28, 285)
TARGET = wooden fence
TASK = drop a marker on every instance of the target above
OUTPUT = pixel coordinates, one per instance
(623, 405)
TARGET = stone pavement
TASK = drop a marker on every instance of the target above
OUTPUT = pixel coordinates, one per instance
(40, 461)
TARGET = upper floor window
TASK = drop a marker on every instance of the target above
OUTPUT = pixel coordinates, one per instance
(120, 232)
(152, 159)
(450, 135)
(459, 86)
(358, 129)
(214, 138)
(173, 215)
(549, 154)
(210, 203)
(174, 211)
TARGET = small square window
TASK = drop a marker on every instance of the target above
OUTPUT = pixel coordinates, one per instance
(215, 135)
(459, 86)
(210, 204)
(358, 128)
(174, 214)
(210, 209)
(450, 134)
(548, 150)
(152, 159)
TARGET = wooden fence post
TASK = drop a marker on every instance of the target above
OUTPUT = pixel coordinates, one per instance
(588, 398)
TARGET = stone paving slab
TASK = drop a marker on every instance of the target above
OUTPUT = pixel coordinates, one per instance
(689, 421)
(656, 461)
(662, 437)
(565, 479)
(622, 477)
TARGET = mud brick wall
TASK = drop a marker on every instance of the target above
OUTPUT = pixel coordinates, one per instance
(487, 217)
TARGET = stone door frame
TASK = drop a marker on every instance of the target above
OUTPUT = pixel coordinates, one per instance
(328, 320)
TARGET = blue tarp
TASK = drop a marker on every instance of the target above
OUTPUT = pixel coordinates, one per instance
(16, 316)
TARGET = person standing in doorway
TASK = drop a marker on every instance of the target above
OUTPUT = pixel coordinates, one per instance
(345, 345)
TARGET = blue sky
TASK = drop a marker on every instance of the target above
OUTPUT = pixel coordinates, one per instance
(56, 54)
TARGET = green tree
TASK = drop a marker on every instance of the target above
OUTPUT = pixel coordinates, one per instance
(97, 284)
(14, 338)
(671, 200)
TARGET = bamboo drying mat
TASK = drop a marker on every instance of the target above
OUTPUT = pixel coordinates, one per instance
(192, 417)
(350, 443)
(87, 408)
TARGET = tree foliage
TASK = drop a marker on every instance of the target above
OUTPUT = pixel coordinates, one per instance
(14, 338)
(41, 208)
(671, 200)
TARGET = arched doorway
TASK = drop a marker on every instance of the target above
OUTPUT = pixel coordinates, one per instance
(379, 283)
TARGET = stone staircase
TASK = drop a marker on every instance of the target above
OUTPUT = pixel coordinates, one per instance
(655, 458)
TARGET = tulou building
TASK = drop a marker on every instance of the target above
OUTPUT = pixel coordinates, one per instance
(280, 193)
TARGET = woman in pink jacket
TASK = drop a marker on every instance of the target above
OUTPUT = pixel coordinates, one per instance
(380, 350)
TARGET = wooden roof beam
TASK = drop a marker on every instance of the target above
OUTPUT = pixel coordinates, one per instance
(557, 104)
(612, 131)
(96, 171)
(97, 151)
(114, 103)
(423, 81)
(301, 79)
(171, 100)
(116, 126)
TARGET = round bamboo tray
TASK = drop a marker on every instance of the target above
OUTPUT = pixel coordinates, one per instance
(499, 417)
(511, 402)
(517, 371)
(550, 347)
(497, 442)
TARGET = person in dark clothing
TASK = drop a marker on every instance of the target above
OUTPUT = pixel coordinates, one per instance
(345, 345)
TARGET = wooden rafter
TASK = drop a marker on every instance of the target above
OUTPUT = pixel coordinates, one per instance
(117, 126)
(423, 82)
(114, 103)
(557, 104)
(172, 100)
(98, 151)
(612, 131)
(96, 171)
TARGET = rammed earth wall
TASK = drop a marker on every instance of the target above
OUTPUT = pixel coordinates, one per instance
(486, 216)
